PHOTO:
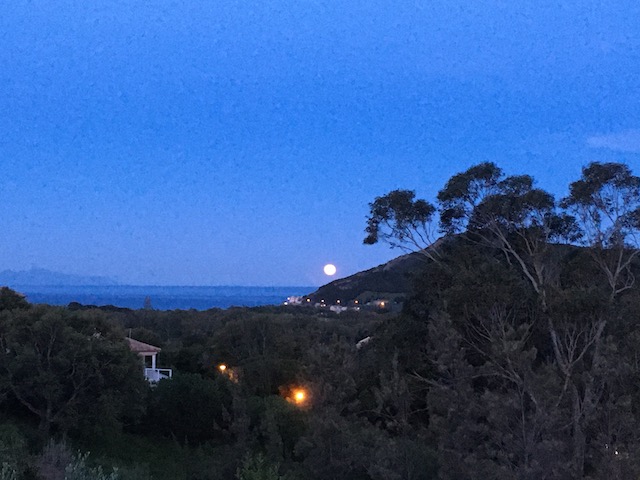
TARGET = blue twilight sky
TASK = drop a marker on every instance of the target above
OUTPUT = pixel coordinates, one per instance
(211, 142)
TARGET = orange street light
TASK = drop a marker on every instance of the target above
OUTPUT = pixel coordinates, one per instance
(299, 396)
(222, 367)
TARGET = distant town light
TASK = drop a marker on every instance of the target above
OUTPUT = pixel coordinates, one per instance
(222, 367)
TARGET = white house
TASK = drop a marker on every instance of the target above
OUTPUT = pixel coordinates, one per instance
(148, 353)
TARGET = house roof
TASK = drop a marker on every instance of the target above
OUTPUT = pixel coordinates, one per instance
(141, 347)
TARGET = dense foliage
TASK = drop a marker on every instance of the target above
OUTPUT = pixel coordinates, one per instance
(515, 357)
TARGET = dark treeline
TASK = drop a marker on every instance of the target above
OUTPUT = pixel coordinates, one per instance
(516, 357)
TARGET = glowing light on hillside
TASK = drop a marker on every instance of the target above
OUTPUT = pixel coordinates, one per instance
(330, 269)
(222, 367)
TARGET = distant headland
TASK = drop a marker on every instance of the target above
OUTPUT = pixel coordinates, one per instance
(41, 277)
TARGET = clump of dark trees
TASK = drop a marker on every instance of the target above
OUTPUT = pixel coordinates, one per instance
(533, 318)
(516, 357)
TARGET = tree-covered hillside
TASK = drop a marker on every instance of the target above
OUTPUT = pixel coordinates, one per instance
(393, 279)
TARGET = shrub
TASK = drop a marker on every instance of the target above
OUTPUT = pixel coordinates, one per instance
(8, 472)
(77, 469)
(257, 467)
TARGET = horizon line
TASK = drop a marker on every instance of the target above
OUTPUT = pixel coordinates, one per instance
(155, 285)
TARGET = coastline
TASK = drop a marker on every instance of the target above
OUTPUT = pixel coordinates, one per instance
(161, 297)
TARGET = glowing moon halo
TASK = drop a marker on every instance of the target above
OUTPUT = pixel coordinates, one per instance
(330, 269)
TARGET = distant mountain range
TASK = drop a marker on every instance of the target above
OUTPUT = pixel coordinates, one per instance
(41, 277)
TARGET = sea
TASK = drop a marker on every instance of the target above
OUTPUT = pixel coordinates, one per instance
(161, 297)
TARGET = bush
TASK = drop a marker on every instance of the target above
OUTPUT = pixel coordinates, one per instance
(190, 408)
(257, 467)
(77, 469)
(13, 452)
(53, 461)
(8, 472)
(56, 462)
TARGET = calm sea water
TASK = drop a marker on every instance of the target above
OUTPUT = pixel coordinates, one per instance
(162, 298)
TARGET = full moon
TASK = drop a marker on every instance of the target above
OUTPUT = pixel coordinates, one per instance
(330, 269)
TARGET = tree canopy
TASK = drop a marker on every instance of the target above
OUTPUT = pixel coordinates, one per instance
(69, 369)
(531, 309)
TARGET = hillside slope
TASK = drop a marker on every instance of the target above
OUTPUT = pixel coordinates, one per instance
(389, 280)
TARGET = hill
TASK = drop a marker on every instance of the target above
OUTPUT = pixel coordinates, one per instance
(41, 277)
(391, 280)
